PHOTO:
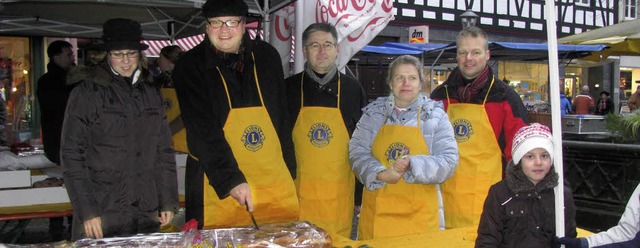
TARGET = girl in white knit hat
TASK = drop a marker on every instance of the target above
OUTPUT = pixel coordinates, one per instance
(519, 210)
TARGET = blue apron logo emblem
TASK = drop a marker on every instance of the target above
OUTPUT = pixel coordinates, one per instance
(320, 134)
(395, 151)
(462, 129)
(253, 138)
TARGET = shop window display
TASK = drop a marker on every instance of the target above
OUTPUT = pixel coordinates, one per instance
(16, 87)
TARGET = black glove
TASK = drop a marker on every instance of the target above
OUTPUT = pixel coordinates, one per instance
(573, 242)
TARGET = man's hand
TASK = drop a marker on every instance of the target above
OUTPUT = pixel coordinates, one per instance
(242, 194)
(165, 217)
(93, 228)
(573, 242)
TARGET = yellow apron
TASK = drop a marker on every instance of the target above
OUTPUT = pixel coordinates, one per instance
(172, 108)
(480, 164)
(256, 147)
(325, 182)
(398, 209)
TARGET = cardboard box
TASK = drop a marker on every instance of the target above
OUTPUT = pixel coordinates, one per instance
(15, 179)
(33, 196)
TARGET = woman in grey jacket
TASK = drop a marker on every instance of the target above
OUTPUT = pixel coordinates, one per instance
(402, 148)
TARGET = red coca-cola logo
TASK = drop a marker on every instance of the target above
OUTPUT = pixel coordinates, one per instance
(339, 11)
(282, 28)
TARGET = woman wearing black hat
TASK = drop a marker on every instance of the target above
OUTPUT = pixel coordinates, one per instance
(604, 104)
(116, 146)
(232, 98)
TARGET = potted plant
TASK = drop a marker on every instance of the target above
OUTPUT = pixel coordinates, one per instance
(627, 127)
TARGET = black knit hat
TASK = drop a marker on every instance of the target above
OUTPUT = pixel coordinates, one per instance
(120, 34)
(215, 8)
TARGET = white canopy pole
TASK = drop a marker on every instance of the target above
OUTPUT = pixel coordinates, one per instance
(298, 58)
(554, 88)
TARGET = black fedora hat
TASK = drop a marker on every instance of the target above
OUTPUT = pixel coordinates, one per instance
(120, 34)
(215, 8)
(604, 92)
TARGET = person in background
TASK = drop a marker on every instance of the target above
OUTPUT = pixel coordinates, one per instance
(53, 92)
(583, 103)
(169, 55)
(402, 148)
(634, 100)
(519, 210)
(95, 55)
(325, 106)
(604, 105)
(120, 170)
(565, 105)
(233, 102)
(625, 234)
(485, 113)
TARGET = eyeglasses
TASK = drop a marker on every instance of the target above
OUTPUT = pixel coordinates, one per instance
(119, 55)
(230, 23)
(314, 47)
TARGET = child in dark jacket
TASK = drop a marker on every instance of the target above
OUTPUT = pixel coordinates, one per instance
(519, 210)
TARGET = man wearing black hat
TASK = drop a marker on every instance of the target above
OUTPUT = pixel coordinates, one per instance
(116, 146)
(232, 98)
(604, 105)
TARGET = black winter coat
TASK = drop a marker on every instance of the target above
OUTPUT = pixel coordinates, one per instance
(518, 214)
(53, 93)
(204, 108)
(117, 155)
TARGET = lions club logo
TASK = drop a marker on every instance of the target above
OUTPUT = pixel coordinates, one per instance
(395, 151)
(462, 129)
(320, 135)
(253, 138)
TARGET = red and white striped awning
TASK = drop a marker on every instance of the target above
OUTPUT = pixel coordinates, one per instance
(185, 43)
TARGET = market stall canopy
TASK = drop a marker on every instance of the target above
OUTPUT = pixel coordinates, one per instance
(517, 51)
(160, 19)
(390, 50)
(623, 39)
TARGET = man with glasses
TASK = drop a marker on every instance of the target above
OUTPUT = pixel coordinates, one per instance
(485, 113)
(231, 91)
(325, 106)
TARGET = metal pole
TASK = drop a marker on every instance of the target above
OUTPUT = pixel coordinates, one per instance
(554, 87)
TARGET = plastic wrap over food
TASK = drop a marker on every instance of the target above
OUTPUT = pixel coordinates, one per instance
(300, 234)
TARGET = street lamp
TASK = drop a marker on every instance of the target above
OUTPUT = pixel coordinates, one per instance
(468, 19)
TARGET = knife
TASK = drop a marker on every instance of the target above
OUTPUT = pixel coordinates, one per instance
(253, 219)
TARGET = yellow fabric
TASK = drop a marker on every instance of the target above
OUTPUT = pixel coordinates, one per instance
(480, 164)
(325, 182)
(401, 208)
(256, 147)
(172, 108)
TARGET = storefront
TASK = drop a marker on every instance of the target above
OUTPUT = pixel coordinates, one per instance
(17, 87)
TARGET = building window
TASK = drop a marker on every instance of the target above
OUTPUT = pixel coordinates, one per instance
(630, 9)
(583, 2)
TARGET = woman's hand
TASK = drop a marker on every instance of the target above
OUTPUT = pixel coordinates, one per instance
(165, 217)
(395, 172)
(93, 228)
(242, 194)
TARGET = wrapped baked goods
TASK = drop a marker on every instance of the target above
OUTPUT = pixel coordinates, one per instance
(299, 234)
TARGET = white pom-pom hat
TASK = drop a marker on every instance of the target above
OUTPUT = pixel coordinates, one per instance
(531, 137)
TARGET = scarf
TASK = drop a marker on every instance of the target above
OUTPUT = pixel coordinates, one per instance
(466, 93)
(325, 79)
